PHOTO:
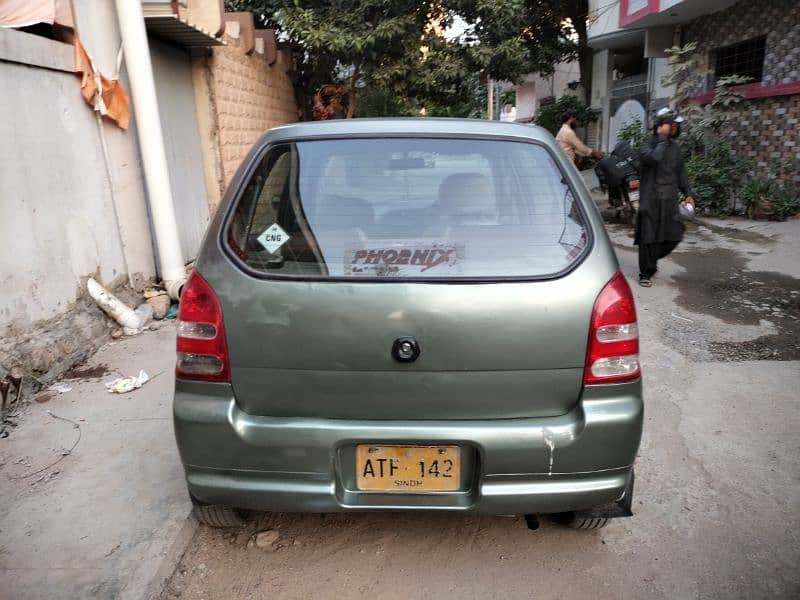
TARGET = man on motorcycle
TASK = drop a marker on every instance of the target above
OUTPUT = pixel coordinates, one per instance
(569, 141)
(663, 174)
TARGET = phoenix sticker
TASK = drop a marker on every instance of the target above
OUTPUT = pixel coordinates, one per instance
(402, 260)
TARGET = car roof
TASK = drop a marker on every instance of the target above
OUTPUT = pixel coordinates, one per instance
(425, 126)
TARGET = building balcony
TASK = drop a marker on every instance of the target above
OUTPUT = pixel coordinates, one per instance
(629, 87)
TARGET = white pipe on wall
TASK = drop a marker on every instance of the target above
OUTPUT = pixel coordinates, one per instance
(151, 143)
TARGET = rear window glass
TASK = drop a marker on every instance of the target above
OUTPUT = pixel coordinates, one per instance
(407, 209)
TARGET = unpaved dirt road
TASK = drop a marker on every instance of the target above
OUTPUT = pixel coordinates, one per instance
(717, 502)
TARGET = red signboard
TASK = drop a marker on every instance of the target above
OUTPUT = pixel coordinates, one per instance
(640, 8)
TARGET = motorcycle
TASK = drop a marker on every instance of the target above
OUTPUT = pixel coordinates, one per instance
(618, 174)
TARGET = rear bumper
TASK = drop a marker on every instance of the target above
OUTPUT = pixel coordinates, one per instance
(574, 461)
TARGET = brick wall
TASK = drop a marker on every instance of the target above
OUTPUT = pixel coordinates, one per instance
(250, 97)
(764, 129)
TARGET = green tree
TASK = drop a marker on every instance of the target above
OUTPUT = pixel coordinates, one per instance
(549, 115)
(577, 11)
(374, 42)
(390, 53)
(507, 39)
(353, 42)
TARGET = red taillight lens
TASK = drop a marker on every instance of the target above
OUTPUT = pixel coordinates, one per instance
(613, 352)
(202, 351)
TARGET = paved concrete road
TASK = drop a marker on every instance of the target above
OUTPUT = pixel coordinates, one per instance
(105, 520)
(718, 477)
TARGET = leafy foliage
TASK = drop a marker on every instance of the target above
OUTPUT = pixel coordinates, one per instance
(263, 11)
(785, 204)
(549, 116)
(706, 124)
(510, 38)
(392, 49)
(683, 68)
(715, 175)
(470, 103)
(372, 41)
(766, 194)
(633, 132)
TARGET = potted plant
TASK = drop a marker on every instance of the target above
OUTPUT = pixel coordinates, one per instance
(757, 193)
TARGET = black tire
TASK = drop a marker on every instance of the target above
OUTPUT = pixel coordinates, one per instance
(631, 216)
(574, 521)
(217, 515)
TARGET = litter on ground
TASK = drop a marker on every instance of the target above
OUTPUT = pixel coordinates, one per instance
(127, 384)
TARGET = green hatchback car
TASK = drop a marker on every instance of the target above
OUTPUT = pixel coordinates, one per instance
(408, 314)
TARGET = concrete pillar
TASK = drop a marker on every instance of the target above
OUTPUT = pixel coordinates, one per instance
(602, 63)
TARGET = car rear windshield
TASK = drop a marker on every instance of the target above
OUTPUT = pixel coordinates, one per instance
(400, 208)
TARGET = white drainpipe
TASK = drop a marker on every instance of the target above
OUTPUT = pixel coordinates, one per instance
(151, 143)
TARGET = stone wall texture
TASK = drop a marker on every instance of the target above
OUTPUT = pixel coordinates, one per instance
(250, 97)
(778, 20)
(764, 129)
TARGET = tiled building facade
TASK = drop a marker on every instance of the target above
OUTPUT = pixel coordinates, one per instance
(765, 128)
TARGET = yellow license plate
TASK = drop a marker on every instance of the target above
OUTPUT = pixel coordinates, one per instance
(408, 469)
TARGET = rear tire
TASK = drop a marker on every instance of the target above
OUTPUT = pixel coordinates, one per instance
(574, 521)
(217, 515)
(631, 216)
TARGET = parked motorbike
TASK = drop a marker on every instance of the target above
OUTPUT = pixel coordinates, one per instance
(618, 174)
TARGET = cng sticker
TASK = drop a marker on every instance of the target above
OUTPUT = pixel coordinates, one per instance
(273, 238)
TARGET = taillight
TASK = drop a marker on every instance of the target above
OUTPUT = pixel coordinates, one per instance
(202, 351)
(613, 352)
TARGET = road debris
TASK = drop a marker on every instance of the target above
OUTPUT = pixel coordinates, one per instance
(144, 313)
(266, 539)
(61, 388)
(127, 384)
(86, 372)
(160, 302)
(131, 320)
(681, 318)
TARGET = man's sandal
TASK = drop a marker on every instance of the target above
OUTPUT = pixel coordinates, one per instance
(645, 281)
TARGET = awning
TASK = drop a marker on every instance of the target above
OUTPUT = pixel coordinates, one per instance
(172, 29)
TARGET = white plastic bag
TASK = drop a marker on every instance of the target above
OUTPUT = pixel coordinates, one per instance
(127, 384)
